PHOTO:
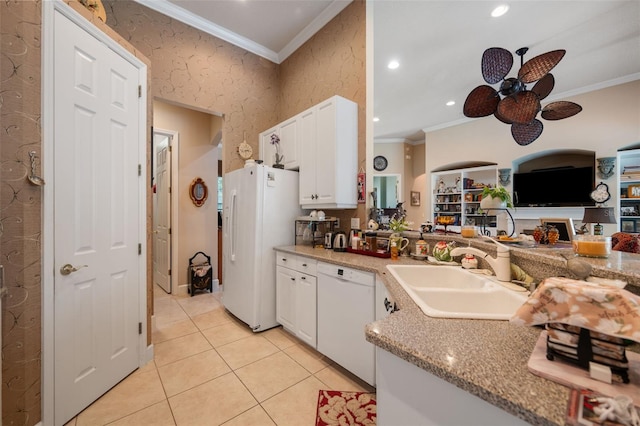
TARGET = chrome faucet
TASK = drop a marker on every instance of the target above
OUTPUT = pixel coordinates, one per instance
(501, 264)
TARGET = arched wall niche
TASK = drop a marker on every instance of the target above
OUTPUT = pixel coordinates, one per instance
(554, 159)
(630, 147)
(462, 165)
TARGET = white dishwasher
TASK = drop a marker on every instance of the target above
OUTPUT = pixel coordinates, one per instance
(346, 303)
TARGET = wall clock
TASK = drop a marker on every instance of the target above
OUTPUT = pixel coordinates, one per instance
(244, 150)
(380, 163)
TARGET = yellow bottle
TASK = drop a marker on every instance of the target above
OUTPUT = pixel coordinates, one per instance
(394, 251)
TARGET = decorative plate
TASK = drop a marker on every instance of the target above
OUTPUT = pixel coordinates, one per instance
(380, 163)
(601, 193)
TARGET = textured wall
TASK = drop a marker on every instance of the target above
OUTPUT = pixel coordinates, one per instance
(332, 62)
(21, 205)
(198, 70)
(20, 209)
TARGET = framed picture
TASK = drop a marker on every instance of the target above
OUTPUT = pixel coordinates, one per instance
(633, 191)
(382, 244)
(415, 198)
(628, 225)
(628, 211)
(468, 196)
(563, 225)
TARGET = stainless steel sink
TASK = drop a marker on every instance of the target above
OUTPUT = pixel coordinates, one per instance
(453, 292)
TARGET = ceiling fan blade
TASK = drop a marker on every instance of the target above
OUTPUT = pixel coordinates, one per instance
(519, 108)
(496, 64)
(560, 109)
(544, 86)
(524, 134)
(482, 101)
(501, 118)
(536, 68)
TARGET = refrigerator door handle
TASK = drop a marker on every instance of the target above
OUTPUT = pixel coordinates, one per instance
(232, 225)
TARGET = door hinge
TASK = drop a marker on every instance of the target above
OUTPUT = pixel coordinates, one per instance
(139, 248)
(169, 273)
(169, 190)
(139, 91)
(139, 169)
(169, 230)
(170, 148)
(139, 328)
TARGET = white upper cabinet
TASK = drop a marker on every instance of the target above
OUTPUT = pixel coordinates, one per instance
(288, 132)
(329, 155)
(321, 142)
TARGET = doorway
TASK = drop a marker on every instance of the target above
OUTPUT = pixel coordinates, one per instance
(195, 137)
(164, 153)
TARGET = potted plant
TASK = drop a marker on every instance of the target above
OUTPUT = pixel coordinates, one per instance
(275, 141)
(495, 197)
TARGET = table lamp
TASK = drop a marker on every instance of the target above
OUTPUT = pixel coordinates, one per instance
(598, 215)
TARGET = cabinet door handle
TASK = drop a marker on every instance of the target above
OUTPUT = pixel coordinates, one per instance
(304, 265)
(293, 279)
(303, 278)
(284, 259)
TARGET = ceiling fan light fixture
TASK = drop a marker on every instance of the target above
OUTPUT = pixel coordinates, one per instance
(518, 106)
(392, 65)
(451, 103)
(500, 10)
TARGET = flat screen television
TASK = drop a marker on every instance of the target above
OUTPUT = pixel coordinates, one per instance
(557, 187)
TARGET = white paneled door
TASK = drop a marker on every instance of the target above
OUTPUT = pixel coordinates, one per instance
(162, 215)
(97, 207)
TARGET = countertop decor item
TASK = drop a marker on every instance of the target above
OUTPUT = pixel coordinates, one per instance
(380, 163)
(495, 193)
(518, 106)
(598, 215)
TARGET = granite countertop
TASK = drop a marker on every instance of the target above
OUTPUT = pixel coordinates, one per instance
(486, 358)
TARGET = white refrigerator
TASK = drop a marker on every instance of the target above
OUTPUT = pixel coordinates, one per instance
(260, 207)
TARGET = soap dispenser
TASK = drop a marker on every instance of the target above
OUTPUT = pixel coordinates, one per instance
(422, 248)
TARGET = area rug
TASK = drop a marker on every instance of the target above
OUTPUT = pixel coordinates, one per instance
(346, 408)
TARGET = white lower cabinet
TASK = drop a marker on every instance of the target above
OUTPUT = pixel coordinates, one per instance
(409, 395)
(296, 302)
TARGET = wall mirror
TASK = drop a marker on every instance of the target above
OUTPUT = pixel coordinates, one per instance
(198, 192)
(388, 188)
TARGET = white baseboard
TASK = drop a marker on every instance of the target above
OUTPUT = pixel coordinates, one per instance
(148, 354)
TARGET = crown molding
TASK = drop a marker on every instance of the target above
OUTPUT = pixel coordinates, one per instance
(316, 25)
(184, 16)
(170, 9)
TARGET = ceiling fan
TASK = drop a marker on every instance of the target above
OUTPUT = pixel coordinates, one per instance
(513, 103)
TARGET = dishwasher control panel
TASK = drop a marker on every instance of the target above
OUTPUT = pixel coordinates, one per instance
(347, 274)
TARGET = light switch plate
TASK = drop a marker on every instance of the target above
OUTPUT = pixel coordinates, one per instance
(355, 223)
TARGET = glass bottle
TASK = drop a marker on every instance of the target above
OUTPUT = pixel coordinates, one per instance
(394, 250)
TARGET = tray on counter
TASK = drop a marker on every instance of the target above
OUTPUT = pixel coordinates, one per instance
(369, 253)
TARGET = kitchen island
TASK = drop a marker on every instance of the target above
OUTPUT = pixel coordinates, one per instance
(485, 358)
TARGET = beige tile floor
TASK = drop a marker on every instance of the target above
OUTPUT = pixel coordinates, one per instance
(210, 369)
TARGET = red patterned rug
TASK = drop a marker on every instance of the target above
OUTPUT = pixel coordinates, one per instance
(346, 408)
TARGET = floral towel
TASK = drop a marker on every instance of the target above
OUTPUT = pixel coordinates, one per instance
(606, 309)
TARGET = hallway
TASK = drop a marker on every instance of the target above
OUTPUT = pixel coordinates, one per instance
(210, 369)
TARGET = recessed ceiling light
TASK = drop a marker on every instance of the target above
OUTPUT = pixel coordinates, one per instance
(451, 103)
(376, 119)
(393, 65)
(500, 10)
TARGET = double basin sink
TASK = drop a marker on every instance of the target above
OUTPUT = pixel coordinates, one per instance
(453, 292)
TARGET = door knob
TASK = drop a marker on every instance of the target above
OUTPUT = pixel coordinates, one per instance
(67, 269)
